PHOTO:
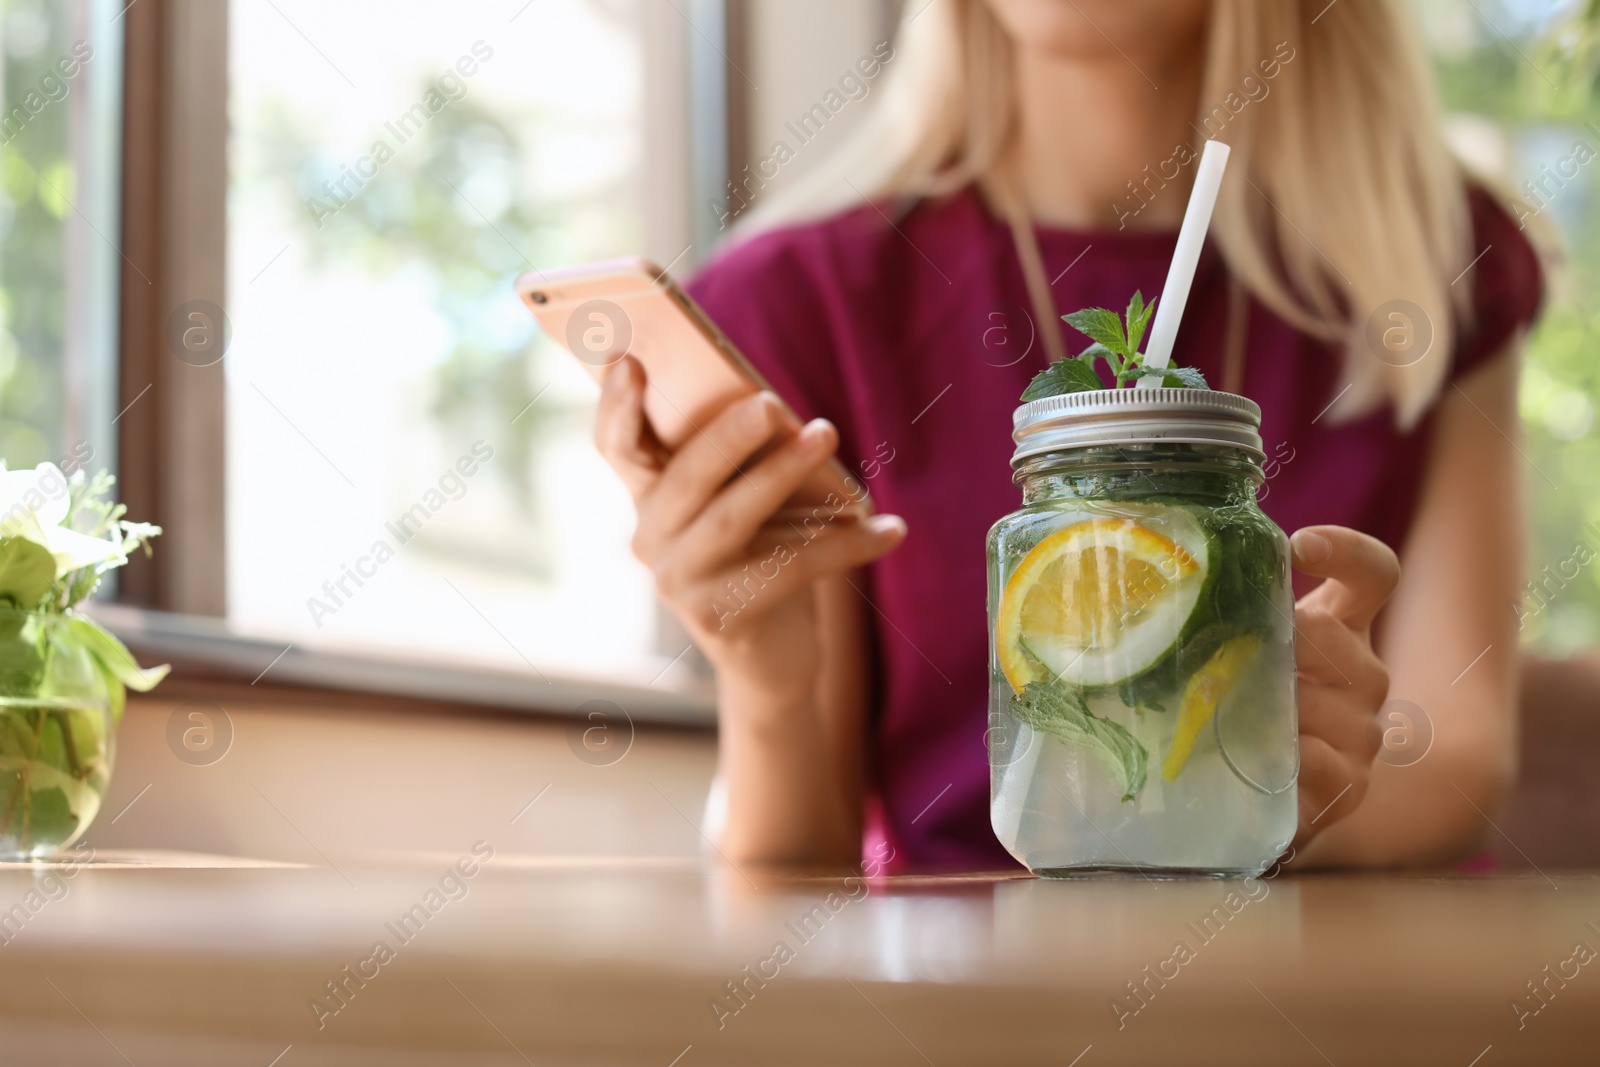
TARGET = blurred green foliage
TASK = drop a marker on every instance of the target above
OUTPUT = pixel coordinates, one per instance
(447, 205)
(1524, 74)
(36, 178)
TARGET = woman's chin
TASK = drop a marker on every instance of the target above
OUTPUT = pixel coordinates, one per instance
(1087, 30)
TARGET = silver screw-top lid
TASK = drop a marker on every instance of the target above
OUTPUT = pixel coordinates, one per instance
(1099, 417)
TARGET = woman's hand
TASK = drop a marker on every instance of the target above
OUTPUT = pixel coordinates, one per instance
(707, 518)
(1342, 682)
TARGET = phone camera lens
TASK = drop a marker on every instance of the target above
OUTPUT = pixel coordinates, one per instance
(538, 297)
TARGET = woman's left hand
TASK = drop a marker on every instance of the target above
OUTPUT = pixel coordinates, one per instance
(1342, 682)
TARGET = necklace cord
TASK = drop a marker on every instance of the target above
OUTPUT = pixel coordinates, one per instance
(1004, 196)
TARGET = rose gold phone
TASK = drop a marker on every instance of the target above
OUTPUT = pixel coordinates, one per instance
(604, 311)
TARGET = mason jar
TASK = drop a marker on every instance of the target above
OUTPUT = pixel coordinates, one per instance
(1141, 619)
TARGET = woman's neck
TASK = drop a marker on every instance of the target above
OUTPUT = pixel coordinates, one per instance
(1088, 128)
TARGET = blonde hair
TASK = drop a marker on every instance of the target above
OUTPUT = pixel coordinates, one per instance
(1341, 195)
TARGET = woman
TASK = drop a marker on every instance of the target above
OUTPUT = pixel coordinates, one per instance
(1033, 156)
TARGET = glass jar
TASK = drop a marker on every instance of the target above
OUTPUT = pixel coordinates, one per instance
(1142, 676)
(57, 738)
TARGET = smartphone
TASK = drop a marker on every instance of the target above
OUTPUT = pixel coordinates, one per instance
(604, 311)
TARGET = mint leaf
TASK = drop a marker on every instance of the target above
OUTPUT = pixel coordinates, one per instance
(1061, 377)
(1101, 325)
(1187, 377)
(27, 571)
(1062, 713)
(1138, 318)
(1094, 352)
(1173, 377)
(1176, 377)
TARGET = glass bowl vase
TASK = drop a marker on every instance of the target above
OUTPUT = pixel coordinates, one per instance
(57, 734)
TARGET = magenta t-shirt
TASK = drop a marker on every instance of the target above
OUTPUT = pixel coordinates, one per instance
(916, 340)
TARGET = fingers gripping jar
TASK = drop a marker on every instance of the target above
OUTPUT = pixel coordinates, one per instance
(1142, 675)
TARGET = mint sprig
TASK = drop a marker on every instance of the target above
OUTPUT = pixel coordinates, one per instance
(1057, 710)
(1116, 343)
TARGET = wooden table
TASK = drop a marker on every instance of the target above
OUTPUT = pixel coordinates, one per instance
(544, 960)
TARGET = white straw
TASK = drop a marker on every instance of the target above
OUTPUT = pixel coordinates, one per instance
(1196, 219)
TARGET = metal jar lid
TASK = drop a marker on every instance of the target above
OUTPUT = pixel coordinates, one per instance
(1104, 417)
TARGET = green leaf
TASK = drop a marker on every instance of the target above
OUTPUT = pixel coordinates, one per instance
(114, 654)
(1185, 378)
(82, 798)
(1062, 713)
(54, 814)
(1061, 377)
(1175, 377)
(20, 667)
(1138, 318)
(1094, 352)
(27, 571)
(1101, 325)
(116, 692)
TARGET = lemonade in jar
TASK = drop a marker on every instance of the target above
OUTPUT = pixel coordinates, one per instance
(1142, 673)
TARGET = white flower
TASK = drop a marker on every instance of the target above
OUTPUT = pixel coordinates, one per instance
(33, 504)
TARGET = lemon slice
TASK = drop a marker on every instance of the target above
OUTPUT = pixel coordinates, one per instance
(1101, 600)
(1204, 692)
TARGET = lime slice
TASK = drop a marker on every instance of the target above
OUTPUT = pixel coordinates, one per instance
(1100, 601)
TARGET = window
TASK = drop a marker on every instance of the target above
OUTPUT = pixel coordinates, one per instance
(60, 79)
(408, 464)
(1499, 76)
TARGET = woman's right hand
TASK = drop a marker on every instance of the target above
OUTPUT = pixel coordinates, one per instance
(706, 520)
